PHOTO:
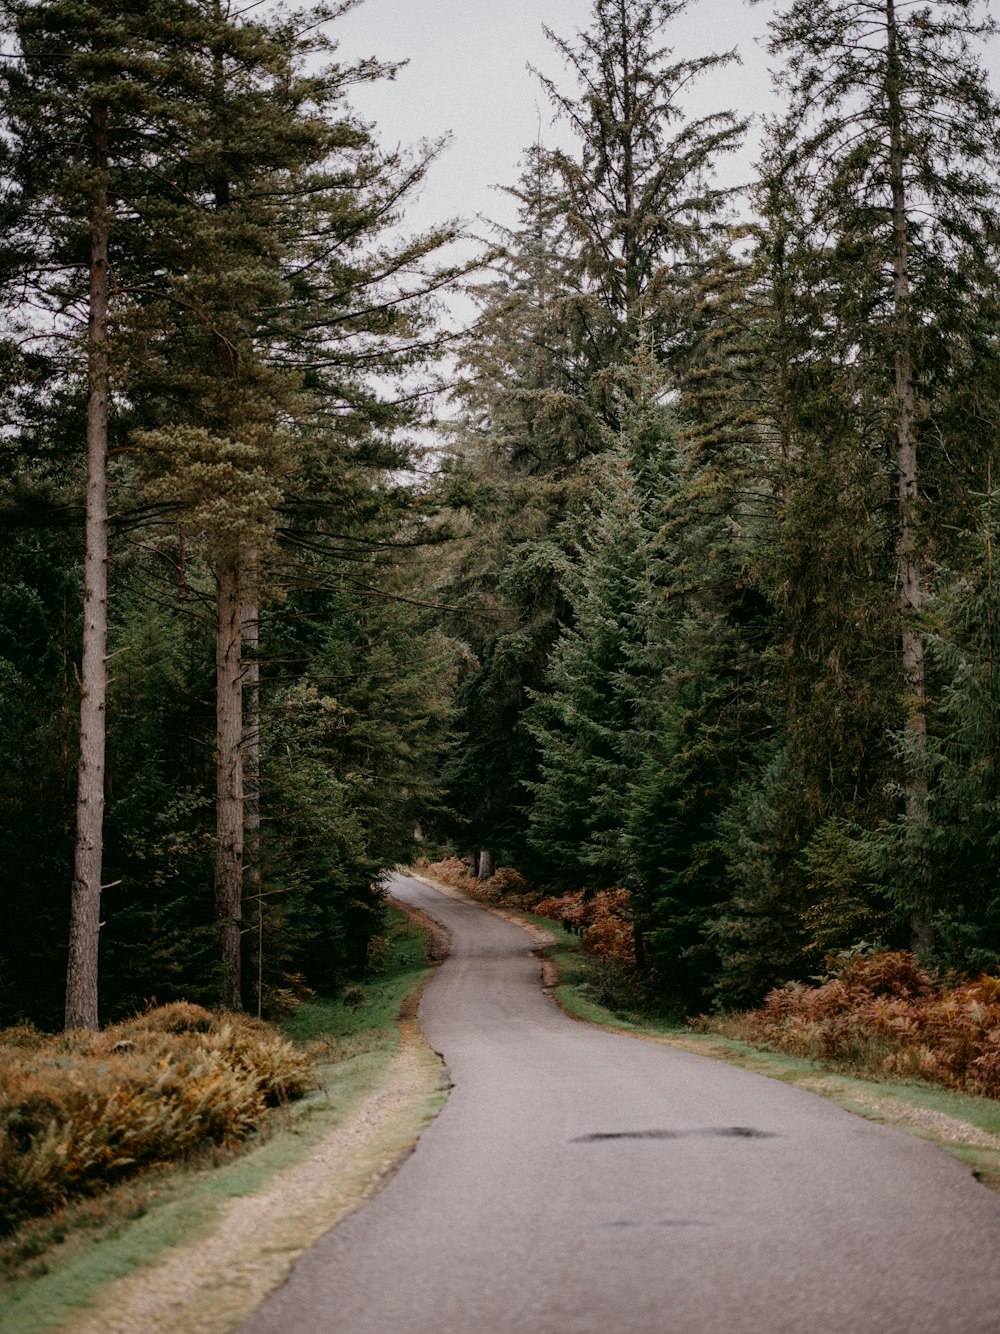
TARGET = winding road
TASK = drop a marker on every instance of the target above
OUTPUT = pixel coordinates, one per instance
(582, 1182)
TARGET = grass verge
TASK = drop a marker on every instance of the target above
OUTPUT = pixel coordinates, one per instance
(94, 1265)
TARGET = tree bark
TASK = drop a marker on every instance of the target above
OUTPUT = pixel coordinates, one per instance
(485, 869)
(250, 619)
(633, 312)
(85, 905)
(229, 780)
(909, 574)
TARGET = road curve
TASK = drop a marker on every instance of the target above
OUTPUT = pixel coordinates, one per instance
(581, 1182)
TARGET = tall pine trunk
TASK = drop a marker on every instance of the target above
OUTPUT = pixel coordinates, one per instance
(909, 574)
(250, 616)
(85, 907)
(229, 776)
(229, 779)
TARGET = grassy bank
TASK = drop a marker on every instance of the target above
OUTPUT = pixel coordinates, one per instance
(54, 1266)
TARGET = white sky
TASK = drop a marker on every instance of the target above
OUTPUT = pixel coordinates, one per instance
(467, 76)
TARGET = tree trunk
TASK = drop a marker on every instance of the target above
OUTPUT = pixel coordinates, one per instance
(908, 560)
(250, 618)
(633, 311)
(85, 906)
(229, 780)
(485, 870)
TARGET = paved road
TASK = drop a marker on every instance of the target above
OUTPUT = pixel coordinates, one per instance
(580, 1182)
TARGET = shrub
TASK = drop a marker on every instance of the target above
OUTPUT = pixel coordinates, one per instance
(354, 997)
(506, 885)
(509, 884)
(453, 871)
(881, 1014)
(81, 1110)
(604, 920)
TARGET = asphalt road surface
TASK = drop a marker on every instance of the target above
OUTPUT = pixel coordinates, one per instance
(581, 1182)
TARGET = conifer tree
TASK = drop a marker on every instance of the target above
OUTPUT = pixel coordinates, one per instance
(525, 427)
(609, 239)
(590, 718)
(889, 131)
(282, 304)
(255, 299)
(639, 198)
(83, 91)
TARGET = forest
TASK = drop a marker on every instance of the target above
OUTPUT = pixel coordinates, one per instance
(666, 581)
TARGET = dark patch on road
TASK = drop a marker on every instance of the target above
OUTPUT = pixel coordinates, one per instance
(715, 1132)
(658, 1222)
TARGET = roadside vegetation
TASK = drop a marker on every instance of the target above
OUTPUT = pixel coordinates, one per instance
(880, 1015)
(133, 1138)
(82, 1110)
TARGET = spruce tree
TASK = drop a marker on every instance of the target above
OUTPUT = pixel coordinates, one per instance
(610, 238)
(639, 201)
(525, 426)
(888, 137)
(589, 719)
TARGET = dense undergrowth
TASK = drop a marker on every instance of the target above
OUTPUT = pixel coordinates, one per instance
(878, 1014)
(82, 1110)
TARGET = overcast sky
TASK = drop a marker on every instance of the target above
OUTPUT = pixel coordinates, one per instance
(467, 76)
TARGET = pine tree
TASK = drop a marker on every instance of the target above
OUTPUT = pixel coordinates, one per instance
(588, 718)
(281, 306)
(888, 136)
(639, 199)
(954, 849)
(525, 427)
(81, 96)
(255, 300)
(609, 240)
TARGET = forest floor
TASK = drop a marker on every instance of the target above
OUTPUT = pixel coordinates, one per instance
(202, 1248)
